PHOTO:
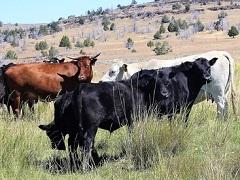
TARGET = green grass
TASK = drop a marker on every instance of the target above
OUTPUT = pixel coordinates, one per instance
(209, 148)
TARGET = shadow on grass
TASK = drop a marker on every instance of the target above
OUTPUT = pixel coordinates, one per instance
(61, 165)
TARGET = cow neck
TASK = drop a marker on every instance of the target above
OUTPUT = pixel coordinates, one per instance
(194, 83)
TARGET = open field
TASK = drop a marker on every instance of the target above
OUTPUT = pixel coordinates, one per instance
(208, 148)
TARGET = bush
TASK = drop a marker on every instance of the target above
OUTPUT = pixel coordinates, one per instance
(162, 29)
(82, 52)
(65, 42)
(198, 26)
(150, 44)
(92, 44)
(79, 44)
(42, 45)
(112, 27)
(187, 7)
(105, 24)
(129, 43)
(165, 19)
(87, 42)
(182, 24)
(176, 6)
(157, 35)
(134, 51)
(43, 30)
(162, 48)
(173, 26)
(222, 15)
(52, 52)
(54, 27)
(233, 32)
(81, 20)
(10, 55)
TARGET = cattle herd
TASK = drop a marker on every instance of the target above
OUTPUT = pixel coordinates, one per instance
(81, 107)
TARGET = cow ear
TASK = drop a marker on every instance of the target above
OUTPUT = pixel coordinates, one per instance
(186, 66)
(46, 127)
(124, 67)
(213, 61)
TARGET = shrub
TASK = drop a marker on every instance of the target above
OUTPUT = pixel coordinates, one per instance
(79, 44)
(92, 43)
(112, 27)
(134, 2)
(162, 48)
(222, 15)
(54, 27)
(198, 26)
(81, 20)
(165, 19)
(42, 45)
(11, 55)
(173, 26)
(157, 35)
(65, 42)
(87, 42)
(82, 52)
(44, 53)
(134, 51)
(129, 43)
(176, 6)
(182, 24)
(43, 30)
(233, 32)
(52, 52)
(187, 7)
(150, 44)
(162, 29)
(105, 23)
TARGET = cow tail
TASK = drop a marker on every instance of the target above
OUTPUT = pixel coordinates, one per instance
(231, 82)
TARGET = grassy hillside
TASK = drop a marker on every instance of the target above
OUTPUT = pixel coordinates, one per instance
(207, 149)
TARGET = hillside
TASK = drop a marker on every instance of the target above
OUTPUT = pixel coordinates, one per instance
(140, 23)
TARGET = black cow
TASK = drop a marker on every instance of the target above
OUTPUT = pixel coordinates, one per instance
(174, 89)
(109, 105)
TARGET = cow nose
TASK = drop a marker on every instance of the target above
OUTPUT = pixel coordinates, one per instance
(82, 77)
(100, 81)
(164, 94)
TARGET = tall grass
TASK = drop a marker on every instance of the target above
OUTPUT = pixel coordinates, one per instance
(209, 148)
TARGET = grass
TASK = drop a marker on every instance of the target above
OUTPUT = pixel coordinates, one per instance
(207, 149)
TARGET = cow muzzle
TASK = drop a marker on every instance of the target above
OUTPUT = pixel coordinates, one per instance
(164, 94)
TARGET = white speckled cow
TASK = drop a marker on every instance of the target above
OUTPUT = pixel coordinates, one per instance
(222, 75)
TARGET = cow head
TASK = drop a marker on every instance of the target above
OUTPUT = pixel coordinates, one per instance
(201, 68)
(84, 64)
(144, 79)
(118, 71)
(55, 136)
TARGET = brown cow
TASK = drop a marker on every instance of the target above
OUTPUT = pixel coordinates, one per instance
(29, 82)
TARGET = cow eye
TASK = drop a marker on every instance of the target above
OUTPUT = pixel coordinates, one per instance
(166, 83)
(112, 72)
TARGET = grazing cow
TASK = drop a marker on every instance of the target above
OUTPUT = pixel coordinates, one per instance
(217, 90)
(54, 60)
(29, 82)
(109, 105)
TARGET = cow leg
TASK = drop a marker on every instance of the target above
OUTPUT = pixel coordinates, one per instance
(31, 105)
(89, 154)
(15, 104)
(74, 140)
(222, 106)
